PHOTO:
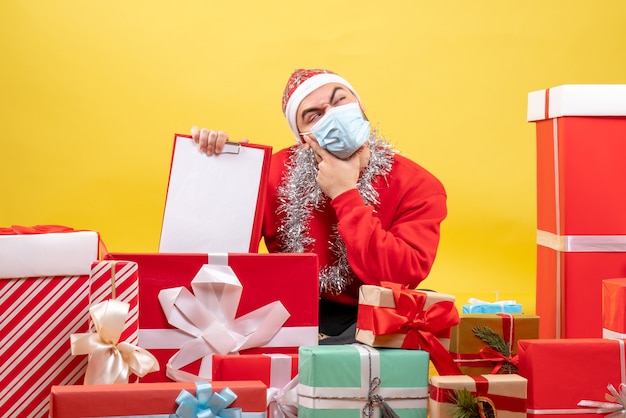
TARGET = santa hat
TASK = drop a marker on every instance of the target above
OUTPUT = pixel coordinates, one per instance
(301, 84)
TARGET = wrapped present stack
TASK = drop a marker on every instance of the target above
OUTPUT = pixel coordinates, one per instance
(484, 347)
(210, 327)
(581, 227)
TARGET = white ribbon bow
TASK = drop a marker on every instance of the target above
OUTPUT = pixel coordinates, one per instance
(111, 361)
(616, 407)
(209, 317)
(283, 403)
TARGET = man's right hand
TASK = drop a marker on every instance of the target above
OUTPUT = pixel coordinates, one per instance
(210, 142)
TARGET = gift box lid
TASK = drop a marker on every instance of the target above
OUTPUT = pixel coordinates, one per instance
(577, 100)
(48, 254)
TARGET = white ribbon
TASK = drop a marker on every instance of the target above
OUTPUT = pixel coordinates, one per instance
(356, 397)
(283, 402)
(282, 393)
(612, 335)
(209, 317)
(111, 361)
(582, 243)
(616, 407)
(499, 303)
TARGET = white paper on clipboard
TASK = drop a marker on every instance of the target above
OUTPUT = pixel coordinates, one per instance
(214, 203)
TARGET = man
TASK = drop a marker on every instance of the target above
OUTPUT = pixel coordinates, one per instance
(341, 192)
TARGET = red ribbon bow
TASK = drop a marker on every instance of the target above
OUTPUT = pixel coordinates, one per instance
(498, 358)
(37, 229)
(420, 325)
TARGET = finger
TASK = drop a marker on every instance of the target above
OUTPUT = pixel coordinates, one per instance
(195, 134)
(203, 140)
(317, 149)
(210, 145)
(245, 141)
(220, 139)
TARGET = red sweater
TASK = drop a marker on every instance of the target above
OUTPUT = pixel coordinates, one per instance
(395, 241)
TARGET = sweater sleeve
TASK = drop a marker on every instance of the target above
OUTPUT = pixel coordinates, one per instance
(403, 250)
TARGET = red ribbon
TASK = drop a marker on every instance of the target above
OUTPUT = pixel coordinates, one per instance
(37, 229)
(491, 356)
(497, 357)
(419, 325)
(501, 402)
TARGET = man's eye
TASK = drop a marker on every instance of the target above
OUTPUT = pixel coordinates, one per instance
(314, 117)
(339, 99)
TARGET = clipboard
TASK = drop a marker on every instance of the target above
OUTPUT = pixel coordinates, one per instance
(214, 203)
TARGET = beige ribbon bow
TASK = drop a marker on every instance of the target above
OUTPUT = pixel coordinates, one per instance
(111, 361)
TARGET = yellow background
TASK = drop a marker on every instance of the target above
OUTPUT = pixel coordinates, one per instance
(92, 92)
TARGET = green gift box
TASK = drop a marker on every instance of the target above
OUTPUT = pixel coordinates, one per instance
(352, 381)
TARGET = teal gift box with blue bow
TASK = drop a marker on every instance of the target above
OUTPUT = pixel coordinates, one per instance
(225, 399)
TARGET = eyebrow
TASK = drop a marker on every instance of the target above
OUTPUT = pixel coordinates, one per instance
(315, 109)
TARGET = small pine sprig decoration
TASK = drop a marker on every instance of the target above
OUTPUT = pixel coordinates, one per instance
(497, 343)
(465, 405)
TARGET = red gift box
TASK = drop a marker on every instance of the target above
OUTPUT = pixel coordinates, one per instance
(38, 314)
(144, 399)
(275, 370)
(569, 290)
(266, 278)
(614, 308)
(563, 372)
(580, 131)
(585, 126)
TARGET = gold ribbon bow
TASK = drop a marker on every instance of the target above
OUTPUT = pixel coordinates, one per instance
(111, 361)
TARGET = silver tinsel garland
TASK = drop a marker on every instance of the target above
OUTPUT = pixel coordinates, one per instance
(299, 194)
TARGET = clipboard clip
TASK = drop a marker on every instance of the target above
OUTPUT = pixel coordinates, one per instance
(231, 148)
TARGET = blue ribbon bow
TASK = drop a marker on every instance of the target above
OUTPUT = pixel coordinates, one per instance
(207, 404)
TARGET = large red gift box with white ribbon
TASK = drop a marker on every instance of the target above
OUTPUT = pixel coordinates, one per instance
(571, 377)
(192, 306)
(44, 298)
(581, 132)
